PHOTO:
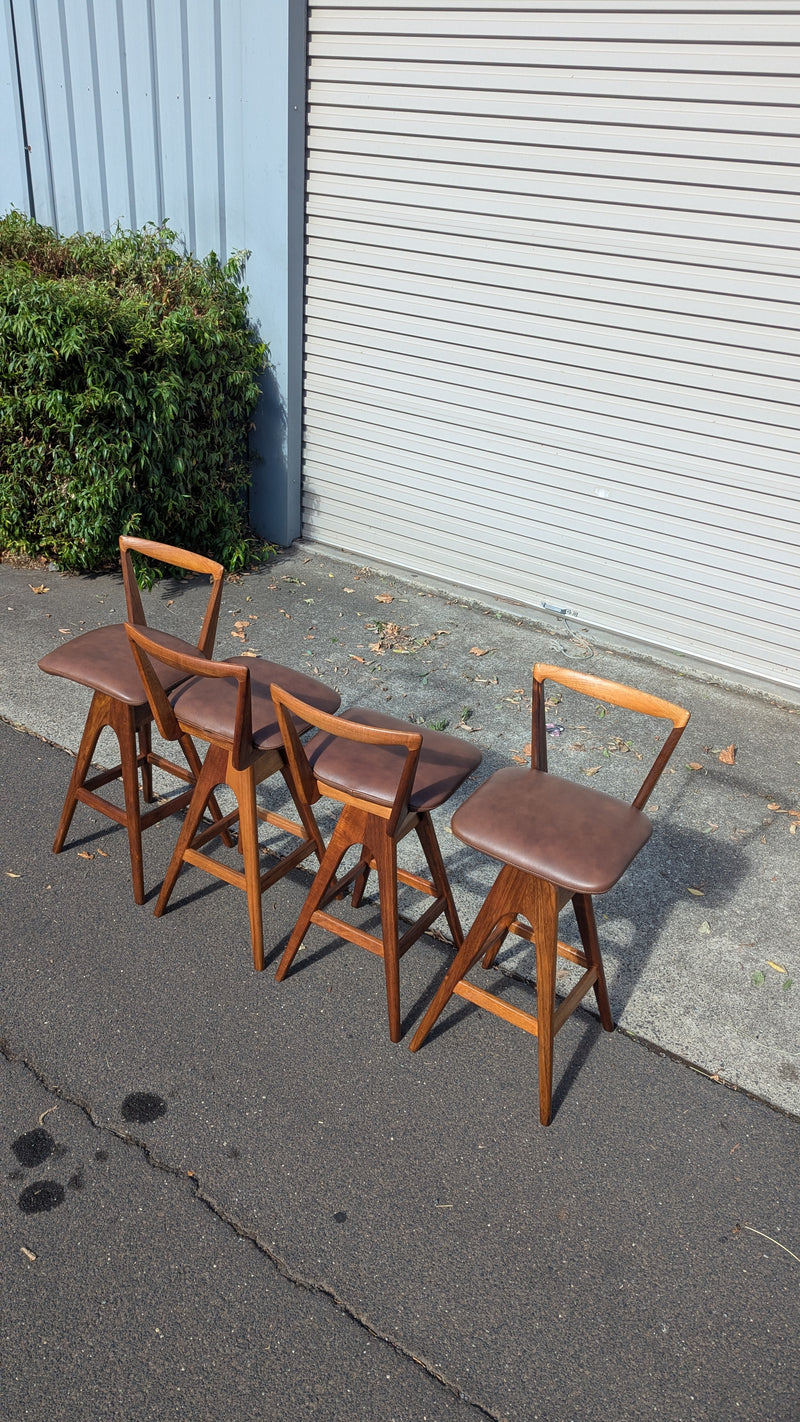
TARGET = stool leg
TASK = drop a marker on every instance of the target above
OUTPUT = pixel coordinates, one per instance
(213, 773)
(361, 880)
(587, 927)
(195, 764)
(306, 815)
(494, 907)
(124, 725)
(338, 845)
(544, 921)
(433, 854)
(384, 851)
(96, 721)
(243, 787)
(145, 752)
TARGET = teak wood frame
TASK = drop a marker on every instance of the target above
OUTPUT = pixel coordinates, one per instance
(377, 828)
(232, 761)
(132, 723)
(517, 895)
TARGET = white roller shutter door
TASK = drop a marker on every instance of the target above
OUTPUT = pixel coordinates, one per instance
(551, 321)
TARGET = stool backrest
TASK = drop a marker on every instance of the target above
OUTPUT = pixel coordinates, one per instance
(614, 694)
(146, 650)
(175, 558)
(302, 774)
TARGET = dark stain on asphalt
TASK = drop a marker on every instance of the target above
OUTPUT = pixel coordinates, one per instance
(34, 1147)
(77, 1181)
(142, 1107)
(340, 1216)
(40, 1196)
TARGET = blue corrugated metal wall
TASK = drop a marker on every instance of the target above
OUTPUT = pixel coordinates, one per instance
(139, 111)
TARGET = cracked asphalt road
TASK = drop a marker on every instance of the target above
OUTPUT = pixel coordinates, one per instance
(118, 1276)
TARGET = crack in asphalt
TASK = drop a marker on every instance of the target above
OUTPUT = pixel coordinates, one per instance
(298, 1280)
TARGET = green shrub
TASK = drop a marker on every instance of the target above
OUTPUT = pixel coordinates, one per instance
(127, 380)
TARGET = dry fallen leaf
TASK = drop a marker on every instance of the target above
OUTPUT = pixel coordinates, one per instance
(776, 966)
(591, 770)
(528, 748)
(83, 855)
(793, 829)
(520, 759)
(354, 658)
(693, 765)
(29, 1254)
(773, 806)
(698, 893)
(65, 630)
(705, 927)
(478, 651)
(11, 875)
(728, 756)
(240, 626)
(41, 588)
(384, 597)
(248, 652)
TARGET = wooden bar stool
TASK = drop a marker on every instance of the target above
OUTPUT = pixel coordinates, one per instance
(228, 704)
(557, 841)
(388, 778)
(102, 660)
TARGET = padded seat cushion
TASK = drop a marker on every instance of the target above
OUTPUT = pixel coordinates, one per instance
(373, 772)
(572, 836)
(209, 705)
(102, 659)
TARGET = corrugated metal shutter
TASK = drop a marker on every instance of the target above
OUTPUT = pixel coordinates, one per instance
(551, 324)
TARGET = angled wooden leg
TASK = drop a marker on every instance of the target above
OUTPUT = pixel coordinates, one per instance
(543, 916)
(340, 842)
(145, 752)
(306, 815)
(124, 724)
(385, 855)
(243, 786)
(498, 939)
(587, 927)
(494, 907)
(361, 880)
(213, 773)
(195, 764)
(433, 855)
(96, 721)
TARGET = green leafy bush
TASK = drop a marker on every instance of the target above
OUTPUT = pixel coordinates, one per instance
(127, 380)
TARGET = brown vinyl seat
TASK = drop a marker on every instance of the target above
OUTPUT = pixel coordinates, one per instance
(102, 660)
(388, 777)
(229, 705)
(557, 842)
